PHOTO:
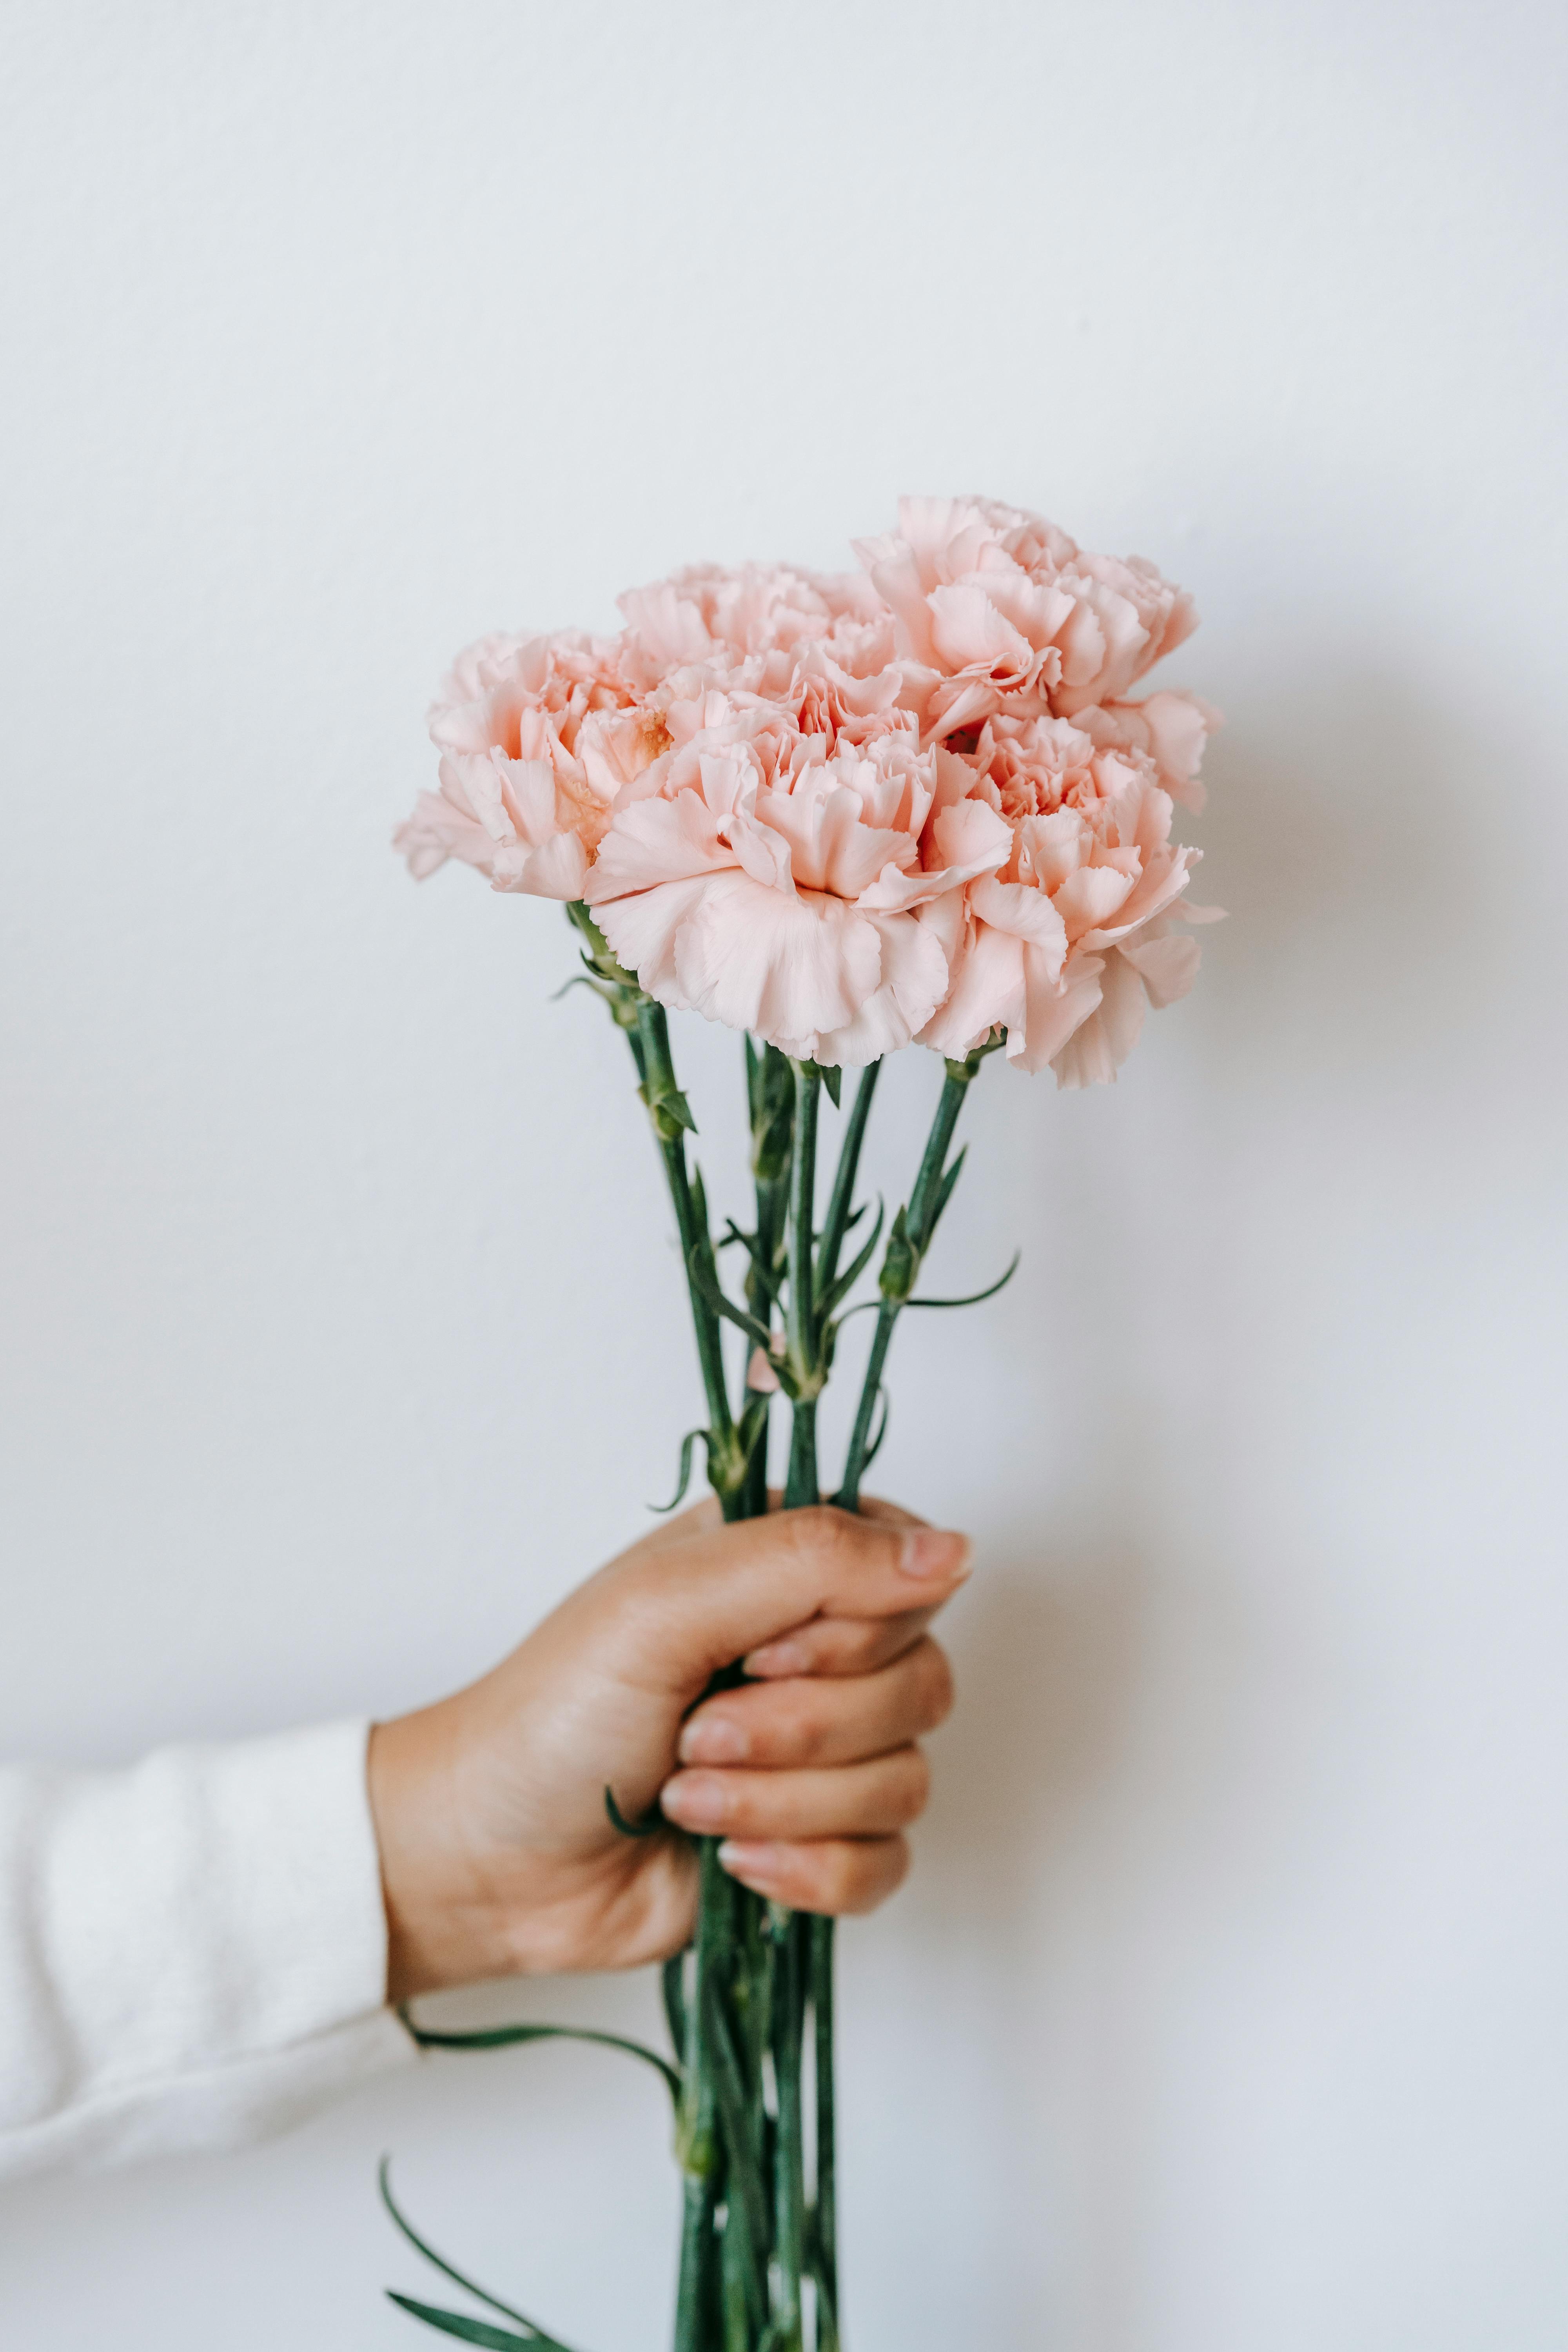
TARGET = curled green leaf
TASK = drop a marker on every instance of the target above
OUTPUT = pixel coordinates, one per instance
(975, 1296)
(687, 1442)
(649, 1826)
(706, 1284)
(505, 2037)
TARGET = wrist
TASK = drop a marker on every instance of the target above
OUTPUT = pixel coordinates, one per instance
(447, 1922)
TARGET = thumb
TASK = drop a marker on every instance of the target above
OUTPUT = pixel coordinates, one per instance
(693, 1606)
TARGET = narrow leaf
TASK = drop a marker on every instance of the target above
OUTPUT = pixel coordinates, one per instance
(833, 1080)
(944, 1190)
(847, 1281)
(503, 2037)
(649, 1826)
(771, 1283)
(876, 1445)
(687, 1442)
(438, 2261)
(976, 1295)
(467, 2331)
(707, 1285)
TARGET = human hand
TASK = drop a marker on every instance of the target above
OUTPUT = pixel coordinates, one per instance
(498, 1856)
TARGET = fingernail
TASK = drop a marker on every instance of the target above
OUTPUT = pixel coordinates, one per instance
(935, 1551)
(758, 1864)
(698, 1801)
(713, 1739)
(778, 1658)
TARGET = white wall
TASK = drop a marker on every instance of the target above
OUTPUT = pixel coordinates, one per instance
(1227, 2008)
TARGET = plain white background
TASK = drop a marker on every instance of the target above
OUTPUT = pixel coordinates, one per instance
(1227, 2006)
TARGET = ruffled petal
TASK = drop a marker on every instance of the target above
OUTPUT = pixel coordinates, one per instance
(787, 969)
(1054, 1008)
(1096, 1049)
(657, 841)
(913, 983)
(987, 990)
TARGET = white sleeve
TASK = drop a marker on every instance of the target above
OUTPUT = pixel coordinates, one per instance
(192, 1953)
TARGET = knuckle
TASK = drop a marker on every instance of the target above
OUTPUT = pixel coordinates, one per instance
(868, 1874)
(913, 1788)
(808, 1732)
(821, 1532)
(937, 1689)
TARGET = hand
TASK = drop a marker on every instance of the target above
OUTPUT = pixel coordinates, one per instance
(497, 1854)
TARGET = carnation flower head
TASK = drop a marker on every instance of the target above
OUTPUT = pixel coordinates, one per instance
(1002, 612)
(847, 811)
(1069, 936)
(537, 736)
(766, 869)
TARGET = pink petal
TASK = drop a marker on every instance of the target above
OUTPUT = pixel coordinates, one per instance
(1166, 966)
(785, 968)
(1052, 1008)
(987, 989)
(657, 841)
(913, 983)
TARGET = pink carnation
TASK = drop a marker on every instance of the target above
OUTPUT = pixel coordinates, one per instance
(537, 736)
(844, 811)
(1004, 612)
(1070, 933)
(766, 870)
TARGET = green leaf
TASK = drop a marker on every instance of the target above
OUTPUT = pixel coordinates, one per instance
(535, 2334)
(975, 1296)
(503, 2037)
(944, 1190)
(649, 1826)
(845, 1282)
(707, 1285)
(772, 1281)
(833, 1080)
(687, 1442)
(876, 1445)
(467, 2331)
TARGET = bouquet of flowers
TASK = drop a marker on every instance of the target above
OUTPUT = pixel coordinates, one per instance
(913, 805)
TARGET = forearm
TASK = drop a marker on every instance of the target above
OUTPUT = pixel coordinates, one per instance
(191, 1952)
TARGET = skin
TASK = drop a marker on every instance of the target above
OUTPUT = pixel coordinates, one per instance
(498, 1858)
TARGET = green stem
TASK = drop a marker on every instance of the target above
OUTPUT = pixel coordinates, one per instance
(660, 1093)
(825, 2211)
(922, 1200)
(789, 2155)
(842, 1197)
(849, 1495)
(802, 1484)
(920, 1225)
(802, 1338)
(696, 2134)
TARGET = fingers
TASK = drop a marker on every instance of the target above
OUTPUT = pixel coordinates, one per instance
(690, 1606)
(842, 1720)
(837, 1876)
(838, 1645)
(871, 1799)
